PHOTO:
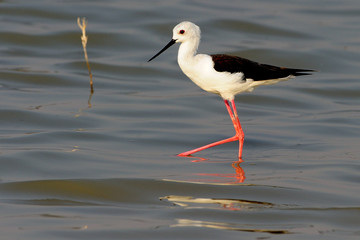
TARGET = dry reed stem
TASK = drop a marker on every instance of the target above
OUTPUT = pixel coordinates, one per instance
(84, 39)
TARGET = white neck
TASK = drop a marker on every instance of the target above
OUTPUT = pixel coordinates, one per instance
(187, 51)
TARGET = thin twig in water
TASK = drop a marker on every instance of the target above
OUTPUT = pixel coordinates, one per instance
(84, 39)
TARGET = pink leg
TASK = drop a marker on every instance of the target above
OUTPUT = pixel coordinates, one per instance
(238, 136)
(232, 139)
(239, 131)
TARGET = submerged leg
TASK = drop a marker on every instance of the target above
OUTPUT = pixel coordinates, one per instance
(232, 139)
(238, 136)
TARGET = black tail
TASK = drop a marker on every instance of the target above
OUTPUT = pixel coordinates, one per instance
(273, 72)
(298, 72)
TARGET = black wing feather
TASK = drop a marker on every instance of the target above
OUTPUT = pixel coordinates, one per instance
(253, 70)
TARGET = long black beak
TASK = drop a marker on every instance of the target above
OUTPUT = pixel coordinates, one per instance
(172, 42)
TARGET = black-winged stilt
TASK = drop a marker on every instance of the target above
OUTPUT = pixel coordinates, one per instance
(224, 75)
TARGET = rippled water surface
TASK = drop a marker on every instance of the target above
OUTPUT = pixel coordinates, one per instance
(76, 165)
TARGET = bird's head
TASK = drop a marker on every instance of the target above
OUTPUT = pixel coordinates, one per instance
(182, 32)
(185, 31)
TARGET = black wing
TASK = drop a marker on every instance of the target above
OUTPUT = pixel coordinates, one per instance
(253, 70)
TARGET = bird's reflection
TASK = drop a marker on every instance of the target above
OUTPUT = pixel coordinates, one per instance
(183, 222)
(231, 178)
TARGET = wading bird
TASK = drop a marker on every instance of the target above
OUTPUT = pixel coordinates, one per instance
(224, 75)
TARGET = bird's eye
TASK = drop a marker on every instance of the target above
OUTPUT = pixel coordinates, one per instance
(182, 31)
